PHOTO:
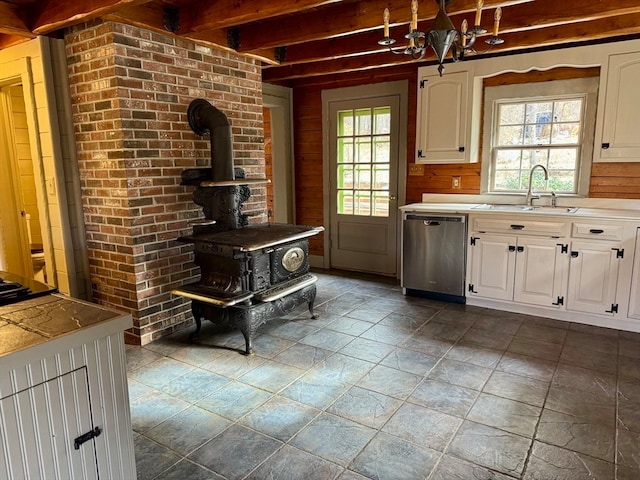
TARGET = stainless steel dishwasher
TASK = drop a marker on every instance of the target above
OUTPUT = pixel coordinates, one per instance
(434, 255)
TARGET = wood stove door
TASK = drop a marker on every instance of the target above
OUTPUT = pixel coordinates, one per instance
(364, 164)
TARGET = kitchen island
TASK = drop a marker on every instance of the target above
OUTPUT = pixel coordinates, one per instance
(63, 391)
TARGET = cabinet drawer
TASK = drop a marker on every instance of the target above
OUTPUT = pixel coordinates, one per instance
(597, 231)
(518, 225)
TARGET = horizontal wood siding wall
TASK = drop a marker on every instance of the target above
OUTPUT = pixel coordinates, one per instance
(621, 180)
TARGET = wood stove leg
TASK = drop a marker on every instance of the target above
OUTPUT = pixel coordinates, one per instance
(196, 309)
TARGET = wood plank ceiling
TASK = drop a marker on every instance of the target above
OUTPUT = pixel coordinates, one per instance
(305, 38)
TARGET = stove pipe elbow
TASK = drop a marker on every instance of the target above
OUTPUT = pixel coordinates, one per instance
(205, 118)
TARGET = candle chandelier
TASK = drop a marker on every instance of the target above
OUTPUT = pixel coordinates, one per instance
(442, 36)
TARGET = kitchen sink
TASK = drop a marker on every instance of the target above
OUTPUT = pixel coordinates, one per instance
(525, 208)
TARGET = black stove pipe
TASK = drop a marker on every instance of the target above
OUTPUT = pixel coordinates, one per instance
(205, 118)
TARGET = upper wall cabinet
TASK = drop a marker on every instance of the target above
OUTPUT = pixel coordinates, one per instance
(620, 140)
(443, 117)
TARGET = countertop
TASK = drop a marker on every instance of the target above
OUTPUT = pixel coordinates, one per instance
(41, 320)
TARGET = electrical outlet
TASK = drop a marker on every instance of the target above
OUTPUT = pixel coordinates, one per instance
(456, 183)
(416, 169)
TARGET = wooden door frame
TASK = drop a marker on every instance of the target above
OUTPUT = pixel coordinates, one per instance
(399, 88)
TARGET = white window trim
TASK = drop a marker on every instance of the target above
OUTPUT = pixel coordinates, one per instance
(531, 91)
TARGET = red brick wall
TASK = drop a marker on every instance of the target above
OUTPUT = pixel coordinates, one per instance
(130, 89)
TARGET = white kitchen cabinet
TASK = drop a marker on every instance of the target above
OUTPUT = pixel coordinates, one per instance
(442, 122)
(593, 277)
(517, 268)
(65, 380)
(634, 296)
(619, 139)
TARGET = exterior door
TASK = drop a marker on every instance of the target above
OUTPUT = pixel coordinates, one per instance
(363, 166)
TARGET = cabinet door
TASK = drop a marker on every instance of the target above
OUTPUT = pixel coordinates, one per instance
(39, 426)
(441, 123)
(634, 298)
(620, 139)
(492, 260)
(593, 277)
(541, 266)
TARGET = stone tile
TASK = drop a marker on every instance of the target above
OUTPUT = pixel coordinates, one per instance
(293, 330)
(280, 418)
(302, 356)
(327, 339)
(390, 458)
(289, 463)
(474, 354)
(576, 434)
(452, 468)
(593, 330)
(515, 387)
(444, 397)
(629, 367)
(220, 454)
(628, 389)
(408, 322)
(390, 381)
(498, 324)
(604, 362)
(186, 469)
(343, 368)
(188, 429)
(542, 333)
(315, 389)
(195, 354)
(139, 356)
(369, 315)
(268, 346)
(385, 334)
(431, 346)
(438, 431)
(137, 389)
(593, 381)
(629, 348)
(194, 385)
(333, 438)
(154, 408)
(369, 350)
(271, 376)
(490, 447)
(535, 348)
(582, 405)
(629, 415)
(410, 361)
(364, 406)
(459, 373)
(152, 458)
(628, 454)
(234, 400)
(551, 462)
(233, 364)
(160, 372)
(350, 326)
(591, 342)
(443, 330)
(349, 475)
(527, 367)
(487, 339)
(505, 414)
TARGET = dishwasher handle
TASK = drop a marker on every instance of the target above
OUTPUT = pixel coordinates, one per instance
(431, 223)
(435, 218)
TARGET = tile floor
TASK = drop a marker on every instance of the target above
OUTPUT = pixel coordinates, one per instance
(384, 386)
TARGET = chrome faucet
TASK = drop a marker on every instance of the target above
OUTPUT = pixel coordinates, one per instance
(531, 196)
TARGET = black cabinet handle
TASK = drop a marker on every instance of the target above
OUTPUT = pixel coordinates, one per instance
(512, 248)
(605, 145)
(517, 227)
(596, 230)
(520, 249)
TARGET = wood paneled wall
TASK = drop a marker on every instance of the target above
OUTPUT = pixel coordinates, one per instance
(621, 180)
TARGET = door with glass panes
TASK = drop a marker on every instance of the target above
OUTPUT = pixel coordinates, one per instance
(364, 164)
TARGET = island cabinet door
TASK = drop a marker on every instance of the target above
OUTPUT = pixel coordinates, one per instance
(41, 427)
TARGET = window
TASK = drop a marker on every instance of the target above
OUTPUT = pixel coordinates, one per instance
(364, 138)
(547, 123)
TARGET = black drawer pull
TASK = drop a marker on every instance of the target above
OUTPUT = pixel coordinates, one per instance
(596, 230)
(517, 227)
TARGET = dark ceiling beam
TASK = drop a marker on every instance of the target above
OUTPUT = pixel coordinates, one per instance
(45, 17)
(12, 20)
(229, 13)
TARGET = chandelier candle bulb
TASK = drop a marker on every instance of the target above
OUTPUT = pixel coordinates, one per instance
(385, 18)
(496, 24)
(463, 30)
(479, 6)
(414, 15)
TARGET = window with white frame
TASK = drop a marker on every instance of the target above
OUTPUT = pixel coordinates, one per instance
(547, 123)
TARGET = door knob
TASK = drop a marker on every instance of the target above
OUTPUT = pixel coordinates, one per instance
(392, 197)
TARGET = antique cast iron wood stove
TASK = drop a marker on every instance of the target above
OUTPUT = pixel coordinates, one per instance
(250, 274)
